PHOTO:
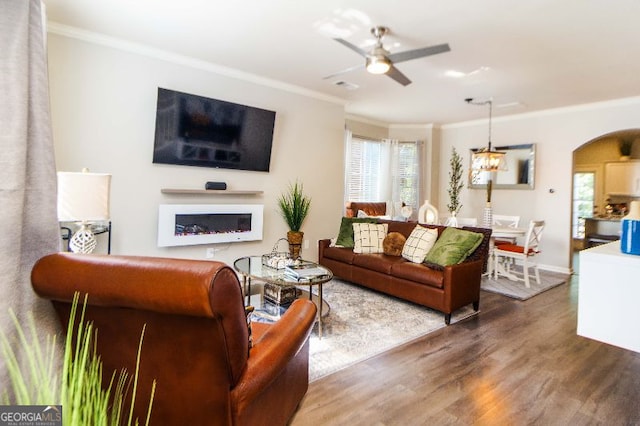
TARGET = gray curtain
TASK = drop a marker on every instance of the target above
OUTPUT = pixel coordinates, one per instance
(28, 219)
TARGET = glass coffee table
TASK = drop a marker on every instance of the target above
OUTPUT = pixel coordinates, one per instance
(251, 268)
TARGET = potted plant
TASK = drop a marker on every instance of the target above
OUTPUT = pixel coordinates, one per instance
(455, 185)
(625, 145)
(294, 208)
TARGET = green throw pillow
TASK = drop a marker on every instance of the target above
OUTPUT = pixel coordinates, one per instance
(345, 236)
(453, 246)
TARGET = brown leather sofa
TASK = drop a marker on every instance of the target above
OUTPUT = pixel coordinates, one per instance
(196, 340)
(445, 289)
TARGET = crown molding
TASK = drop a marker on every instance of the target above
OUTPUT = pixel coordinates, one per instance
(428, 126)
(391, 126)
(164, 55)
(366, 120)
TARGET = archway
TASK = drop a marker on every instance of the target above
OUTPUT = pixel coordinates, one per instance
(592, 158)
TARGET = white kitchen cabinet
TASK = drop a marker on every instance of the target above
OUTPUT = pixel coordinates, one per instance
(622, 178)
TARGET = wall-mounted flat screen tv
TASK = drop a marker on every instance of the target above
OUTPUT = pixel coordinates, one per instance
(197, 131)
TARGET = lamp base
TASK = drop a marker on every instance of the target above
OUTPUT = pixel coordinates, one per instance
(487, 217)
(83, 241)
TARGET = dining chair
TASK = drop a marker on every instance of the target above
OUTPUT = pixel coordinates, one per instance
(505, 221)
(505, 255)
(467, 221)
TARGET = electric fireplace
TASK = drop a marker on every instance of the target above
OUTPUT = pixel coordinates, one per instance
(192, 224)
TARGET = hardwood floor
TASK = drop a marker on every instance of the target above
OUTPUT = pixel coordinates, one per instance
(516, 363)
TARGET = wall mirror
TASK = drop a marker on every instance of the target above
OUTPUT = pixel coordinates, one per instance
(521, 161)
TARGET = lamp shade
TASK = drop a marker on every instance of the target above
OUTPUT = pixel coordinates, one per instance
(487, 160)
(378, 64)
(83, 196)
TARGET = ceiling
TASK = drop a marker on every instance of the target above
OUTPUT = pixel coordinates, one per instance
(525, 55)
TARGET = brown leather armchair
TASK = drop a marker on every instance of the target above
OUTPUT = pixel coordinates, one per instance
(370, 208)
(196, 339)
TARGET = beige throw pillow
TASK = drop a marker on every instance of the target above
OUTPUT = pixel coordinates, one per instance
(368, 237)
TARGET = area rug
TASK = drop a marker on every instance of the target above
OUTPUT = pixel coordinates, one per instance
(362, 323)
(517, 289)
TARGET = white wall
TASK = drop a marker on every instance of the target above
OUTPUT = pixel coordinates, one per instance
(557, 134)
(368, 128)
(103, 103)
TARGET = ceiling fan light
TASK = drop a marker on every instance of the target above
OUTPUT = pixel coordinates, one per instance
(378, 64)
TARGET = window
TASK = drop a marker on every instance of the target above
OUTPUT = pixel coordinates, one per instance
(382, 171)
(407, 173)
(364, 164)
(583, 200)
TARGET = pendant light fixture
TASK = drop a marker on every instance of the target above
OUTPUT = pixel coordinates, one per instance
(486, 159)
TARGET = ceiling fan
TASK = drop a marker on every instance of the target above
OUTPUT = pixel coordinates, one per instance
(380, 61)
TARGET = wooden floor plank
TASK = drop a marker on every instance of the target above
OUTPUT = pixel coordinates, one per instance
(517, 362)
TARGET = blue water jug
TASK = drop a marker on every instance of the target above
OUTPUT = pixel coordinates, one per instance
(630, 238)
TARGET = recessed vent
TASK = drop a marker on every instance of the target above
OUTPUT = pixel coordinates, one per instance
(346, 85)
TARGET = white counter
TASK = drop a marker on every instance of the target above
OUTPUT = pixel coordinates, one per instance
(609, 296)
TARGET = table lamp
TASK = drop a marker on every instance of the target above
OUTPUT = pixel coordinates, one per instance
(83, 197)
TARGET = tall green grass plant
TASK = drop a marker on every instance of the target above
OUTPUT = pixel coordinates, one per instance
(78, 387)
(294, 206)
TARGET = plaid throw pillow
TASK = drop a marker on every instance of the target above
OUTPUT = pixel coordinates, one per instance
(368, 237)
(419, 243)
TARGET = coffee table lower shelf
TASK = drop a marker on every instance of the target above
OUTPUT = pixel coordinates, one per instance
(280, 285)
(270, 311)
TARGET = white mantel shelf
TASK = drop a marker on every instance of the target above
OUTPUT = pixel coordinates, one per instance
(609, 291)
(207, 192)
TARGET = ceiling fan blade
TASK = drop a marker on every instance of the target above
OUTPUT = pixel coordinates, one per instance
(351, 46)
(335, 74)
(395, 74)
(418, 53)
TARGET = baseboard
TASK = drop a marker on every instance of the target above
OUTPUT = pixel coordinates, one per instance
(553, 268)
